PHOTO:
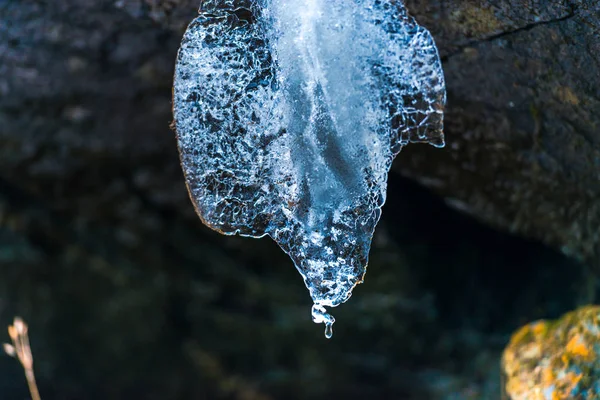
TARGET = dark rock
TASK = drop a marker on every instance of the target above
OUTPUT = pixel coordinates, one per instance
(522, 119)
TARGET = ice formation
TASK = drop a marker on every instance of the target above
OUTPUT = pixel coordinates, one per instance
(288, 115)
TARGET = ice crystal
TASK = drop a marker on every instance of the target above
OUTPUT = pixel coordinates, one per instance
(288, 115)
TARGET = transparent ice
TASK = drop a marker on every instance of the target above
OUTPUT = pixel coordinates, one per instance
(288, 115)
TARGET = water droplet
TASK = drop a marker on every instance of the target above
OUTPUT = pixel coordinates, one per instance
(328, 330)
(320, 315)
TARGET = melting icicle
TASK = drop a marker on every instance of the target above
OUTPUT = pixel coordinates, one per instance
(288, 115)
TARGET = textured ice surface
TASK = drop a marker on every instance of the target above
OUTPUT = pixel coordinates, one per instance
(288, 115)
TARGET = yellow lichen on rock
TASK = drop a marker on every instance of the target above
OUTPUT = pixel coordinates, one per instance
(566, 95)
(555, 360)
(474, 21)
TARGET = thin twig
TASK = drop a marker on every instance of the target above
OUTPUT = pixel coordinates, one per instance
(22, 351)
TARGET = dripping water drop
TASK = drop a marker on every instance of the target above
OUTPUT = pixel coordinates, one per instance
(328, 330)
(320, 315)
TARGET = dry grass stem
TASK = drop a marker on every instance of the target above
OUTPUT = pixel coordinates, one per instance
(22, 351)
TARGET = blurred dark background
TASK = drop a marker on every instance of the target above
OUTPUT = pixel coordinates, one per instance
(128, 295)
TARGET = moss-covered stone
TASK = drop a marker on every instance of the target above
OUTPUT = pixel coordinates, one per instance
(555, 360)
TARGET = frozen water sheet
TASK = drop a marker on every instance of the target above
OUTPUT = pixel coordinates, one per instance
(288, 115)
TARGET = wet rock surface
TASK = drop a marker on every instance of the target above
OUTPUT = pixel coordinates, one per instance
(128, 295)
(522, 119)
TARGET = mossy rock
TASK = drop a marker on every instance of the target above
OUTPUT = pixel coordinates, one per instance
(555, 360)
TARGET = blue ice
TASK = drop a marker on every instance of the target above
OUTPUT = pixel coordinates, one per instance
(288, 115)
